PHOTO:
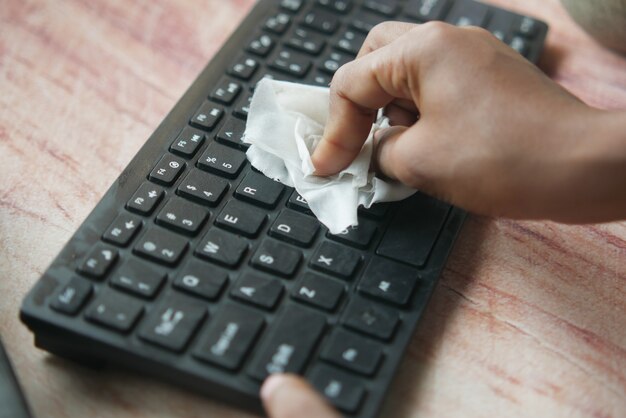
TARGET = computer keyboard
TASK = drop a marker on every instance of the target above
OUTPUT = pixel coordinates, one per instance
(197, 269)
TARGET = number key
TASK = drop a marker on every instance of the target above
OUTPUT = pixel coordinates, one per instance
(222, 160)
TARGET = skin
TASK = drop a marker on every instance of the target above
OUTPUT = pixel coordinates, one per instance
(474, 124)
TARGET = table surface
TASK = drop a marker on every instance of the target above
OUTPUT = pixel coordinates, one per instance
(529, 318)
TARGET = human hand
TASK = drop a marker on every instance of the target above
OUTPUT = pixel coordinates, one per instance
(495, 135)
(288, 396)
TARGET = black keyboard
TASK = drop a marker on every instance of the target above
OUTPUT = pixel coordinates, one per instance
(184, 273)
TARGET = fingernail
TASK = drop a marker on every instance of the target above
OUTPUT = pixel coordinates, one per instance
(271, 384)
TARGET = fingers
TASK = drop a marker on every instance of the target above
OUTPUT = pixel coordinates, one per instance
(382, 35)
(287, 396)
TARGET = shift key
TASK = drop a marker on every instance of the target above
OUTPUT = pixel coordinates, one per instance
(289, 343)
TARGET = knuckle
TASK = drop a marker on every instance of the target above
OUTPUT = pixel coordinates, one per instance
(438, 34)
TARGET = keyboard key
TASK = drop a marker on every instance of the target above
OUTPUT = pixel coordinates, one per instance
(318, 291)
(292, 5)
(413, 231)
(72, 296)
(257, 290)
(114, 310)
(278, 23)
(500, 25)
(387, 8)
(226, 91)
(99, 261)
(365, 21)
(180, 215)
(259, 190)
(338, 6)
(426, 10)
(196, 278)
(145, 198)
(173, 323)
(230, 336)
(291, 63)
(321, 21)
(162, 246)
(138, 278)
(203, 187)
(167, 170)
(123, 229)
(352, 352)
(207, 116)
(320, 79)
(298, 203)
(306, 41)
(336, 259)
(389, 281)
(526, 26)
(222, 160)
(333, 60)
(344, 391)
(468, 13)
(261, 45)
(187, 142)
(243, 106)
(289, 343)
(376, 211)
(241, 218)
(519, 44)
(222, 247)
(370, 318)
(277, 258)
(350, 41)
(295, 228)
(244, 68)
(232, 134)
(358, 236)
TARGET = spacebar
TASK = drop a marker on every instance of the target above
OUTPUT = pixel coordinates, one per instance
(412, 233)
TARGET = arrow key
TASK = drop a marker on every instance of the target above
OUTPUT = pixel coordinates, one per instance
(232, 134)
(123, 229)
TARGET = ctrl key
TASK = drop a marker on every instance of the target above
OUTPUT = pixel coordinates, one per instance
(72, 296)
(341, 389)
(114, 310)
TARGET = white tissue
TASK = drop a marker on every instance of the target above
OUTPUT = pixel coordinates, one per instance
(285, 124)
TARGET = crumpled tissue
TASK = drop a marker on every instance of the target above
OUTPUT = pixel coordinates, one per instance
(285, 123)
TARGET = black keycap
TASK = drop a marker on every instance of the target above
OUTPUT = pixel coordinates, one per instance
(229, 337)
(173, 323)
(278, 23)
(122, 229)
(412, 232)
(468, 13)
(350, 41)
(320, 79)
(343, 390)
(289, 343)
(261, 45)
(364, 21)
(226, 91)
(333, 60)
(207, 116)
(389, 281)
(162, 246)
(426, 10)
(336, 259)
(167, 169)
(181, 215)
(318, 291)
(241, 218)
(295, 228)
(72, 296)
(114, 310)
(277, 258)
(203, 187)
(244, 68)
(98, 261)
(270, 75)
(291, 63)
(353, 352)
(387, 8)
(139, 278)
(298, 203)
(259, 190)
(526, 26)
(376, 211)
(291, 5)
(232, 134)
(370, 318)
(187, 142)
(338, 6)
(242, 108)
(520, 45)
(306, 41)
(222, 247)
(500, 25)
(257, 290)
(145, 198)
(199, 279)
(358, 236)
(222, 160)
(321, 21)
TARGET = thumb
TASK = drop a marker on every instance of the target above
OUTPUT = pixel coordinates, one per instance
(288, 396)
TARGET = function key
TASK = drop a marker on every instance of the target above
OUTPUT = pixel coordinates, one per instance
(276, 258)
(181, 215)
(389, 281)
(259, 190)
(257, 290)
(122, 229)
(358, 236)
(241, 218)
(203, 187)
(333, 60)
(365, 21)
(386, 8)
(261, 45)
(426, 10)
(244, 68)
(242, 108)
(198, 279)
(321, 21)
(291, 5)
(72, 296)
(306, 41)
(222, 247)
(173, 323)
(162, 246)
(352, 352)
(318, 291)
(343, 390)
(222, 160)
(187, 142)
(336, 259)
(350, 41)
(207, 116)
(295, 228)
(167, 169)
(339, 6)
(278, 23)
(139, 278)
(226, 91)
(466, 13)
(298, 203)
(232, 133)
(145, 198)
(99, 261)
(371, 319)
(229, 337)
(291, 63)
(114, 310)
